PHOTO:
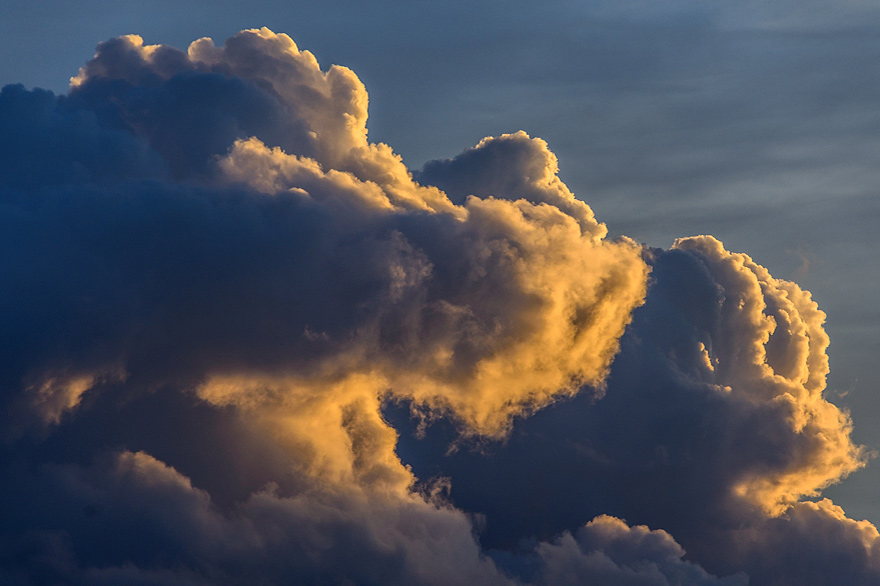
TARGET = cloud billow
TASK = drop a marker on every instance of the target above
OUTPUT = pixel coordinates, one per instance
(707, 429)
(216, 288)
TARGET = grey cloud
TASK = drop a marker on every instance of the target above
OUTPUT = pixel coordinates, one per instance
(609, 551)
(679, 438)
(217, 227)
(216, 282)
(131, 519)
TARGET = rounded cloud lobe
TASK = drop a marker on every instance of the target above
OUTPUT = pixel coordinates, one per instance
(220, 296)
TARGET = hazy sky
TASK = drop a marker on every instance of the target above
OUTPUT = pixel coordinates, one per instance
(216, 282)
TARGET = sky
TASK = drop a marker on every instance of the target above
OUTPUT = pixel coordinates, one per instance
(419, 293)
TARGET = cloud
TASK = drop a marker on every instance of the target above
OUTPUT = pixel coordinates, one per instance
(484, 171)
(713, 427)
(452, 322)
(219, 291)
(609, 551)
(132, 518)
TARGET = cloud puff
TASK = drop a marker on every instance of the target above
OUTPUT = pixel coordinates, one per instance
(713, 427)
(218, 290)
(768, 348)
(472, 295)
(610, 552)
(484, 171)
(359, 268)
(132, 519)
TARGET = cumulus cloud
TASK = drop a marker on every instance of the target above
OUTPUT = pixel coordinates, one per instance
(394, 283)
(713, 427)
(218, 291)
(133, 519)
(484, 171)
(610, 552)
(768, 346)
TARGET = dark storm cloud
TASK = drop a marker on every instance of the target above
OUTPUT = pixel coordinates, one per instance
(213, 283)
